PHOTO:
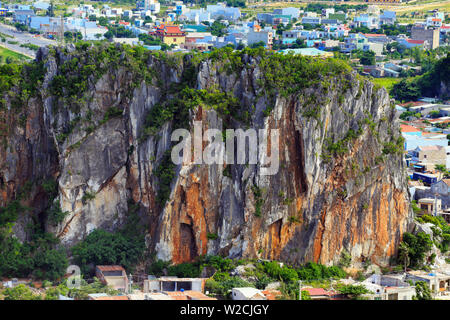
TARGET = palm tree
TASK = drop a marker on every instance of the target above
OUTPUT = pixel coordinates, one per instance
(403, 254)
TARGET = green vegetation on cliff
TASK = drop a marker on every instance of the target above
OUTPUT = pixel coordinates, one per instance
(428, 84)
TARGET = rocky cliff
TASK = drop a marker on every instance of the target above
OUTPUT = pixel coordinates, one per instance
(98, 121)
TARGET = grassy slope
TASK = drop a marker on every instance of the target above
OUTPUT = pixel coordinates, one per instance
(388, 83)
(5, 53)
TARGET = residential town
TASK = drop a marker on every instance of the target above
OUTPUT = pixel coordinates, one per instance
(318, 30)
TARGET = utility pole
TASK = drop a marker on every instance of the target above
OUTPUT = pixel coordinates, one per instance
(299, 289)
(61, 30)
(130, 283)
(435, 204)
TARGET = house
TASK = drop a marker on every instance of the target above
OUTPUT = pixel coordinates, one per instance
(367, 20)
(341, 17)
(170, 34)
(247, 293)
(272, 294)
(353, 42)
(169, 284)
(439, 283)
(410, 130)
(441, 187)
(292, 12)
(377, 38)
(373, 46)
(388, 17)
(430, 205)
(197, 295)
(320, 293)
(433, 154)
(260, 36)
(112, 298)
(312, 52)
(411, 43)
(311, 20)
(388, 287)
(440, 191)
(220, 10)
(23, 16)
(114, 276)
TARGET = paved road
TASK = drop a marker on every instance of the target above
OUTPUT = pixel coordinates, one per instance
(22, 38)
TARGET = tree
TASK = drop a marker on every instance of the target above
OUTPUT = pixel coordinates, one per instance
(406, 90)
(352, 291)
(441, 168)
(217, 29)
(51, 10)
(367, 58)
(108, 35)
(103, 247)
(434, 114)
(419, 245)
(20, 292)
(258, 44)
(423, 291)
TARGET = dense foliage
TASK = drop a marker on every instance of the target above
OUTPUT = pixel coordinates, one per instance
(428, 84)
(423, 291)
(418, 247)
(124, 247)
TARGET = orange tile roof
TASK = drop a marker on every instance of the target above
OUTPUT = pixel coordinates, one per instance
(271, 294)
(177, 295)
(408, 128)
(414, 103)
(110, 268)
(318, 292)
(197, 295)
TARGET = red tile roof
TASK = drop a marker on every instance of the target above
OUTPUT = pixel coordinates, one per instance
(170, 30)
(374, 35)
(415, 41)
(110, 268)
(317, 291)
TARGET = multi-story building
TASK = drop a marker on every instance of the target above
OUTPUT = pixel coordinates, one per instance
(388, 17)
(366, 20)
(263, 35)
(220, 10)
(354, 41)
(170, 34)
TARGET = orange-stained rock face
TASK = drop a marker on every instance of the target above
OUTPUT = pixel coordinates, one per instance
(337, 188)
(312, 209)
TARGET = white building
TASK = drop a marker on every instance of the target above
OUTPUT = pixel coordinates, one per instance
(247, 293)
(263, 35)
